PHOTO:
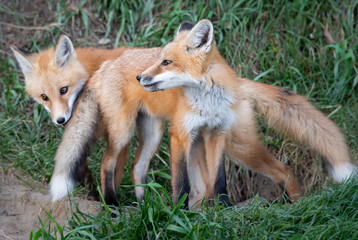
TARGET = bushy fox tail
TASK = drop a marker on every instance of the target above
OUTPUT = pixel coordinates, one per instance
(70, 160)
(295, 116)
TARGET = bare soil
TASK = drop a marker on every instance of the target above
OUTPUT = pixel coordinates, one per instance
(23, 202)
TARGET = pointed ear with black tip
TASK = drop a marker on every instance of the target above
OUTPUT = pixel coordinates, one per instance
(201, 36)
(185, 26)
(64, 51)
(22, 57)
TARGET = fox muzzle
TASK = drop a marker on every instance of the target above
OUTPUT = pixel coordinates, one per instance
(144, 79)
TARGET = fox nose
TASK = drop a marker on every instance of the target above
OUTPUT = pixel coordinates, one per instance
(60, 120)
(139, 77)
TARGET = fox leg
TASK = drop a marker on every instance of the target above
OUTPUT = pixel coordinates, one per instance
(244, 146)
(178, 160)
(120, 126)
(150, 131)
(180, 181)
(256, 157)
(198, 171)
(199, 174)
(220, 184)
(214, 146)
(108, 167)
(192, 167)
(121, 163)
(119, 170)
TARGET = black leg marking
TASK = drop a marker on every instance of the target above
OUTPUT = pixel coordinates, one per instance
(109, 193)
(220, 184)
(182, 186)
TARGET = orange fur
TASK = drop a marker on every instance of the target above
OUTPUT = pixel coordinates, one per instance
(44, 76)
(51, 76)
(121, 98)
(196, 68)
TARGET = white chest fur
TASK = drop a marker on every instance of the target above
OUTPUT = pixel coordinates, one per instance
(211, 108)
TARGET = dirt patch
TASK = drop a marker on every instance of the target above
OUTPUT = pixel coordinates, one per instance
(23, 202)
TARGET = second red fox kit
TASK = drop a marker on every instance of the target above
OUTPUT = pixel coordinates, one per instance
(211, 111)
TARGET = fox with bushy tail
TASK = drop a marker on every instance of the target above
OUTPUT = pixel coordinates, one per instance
(223, 106)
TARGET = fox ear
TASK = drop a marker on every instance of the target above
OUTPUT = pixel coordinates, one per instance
(64, 51)
(185, 26)
(202, 35)
(22, 57)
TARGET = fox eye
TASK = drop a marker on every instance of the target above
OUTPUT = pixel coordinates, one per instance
(44, 97)
(166, 62)
(64, 90)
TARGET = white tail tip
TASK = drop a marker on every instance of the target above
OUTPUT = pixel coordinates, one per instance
(344, 171)
(60, 186)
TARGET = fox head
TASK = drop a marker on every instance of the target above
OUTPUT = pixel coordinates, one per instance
(182, 62)
(53, 77)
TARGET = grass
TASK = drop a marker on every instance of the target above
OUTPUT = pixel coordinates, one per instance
(309, 47)
(329, 214)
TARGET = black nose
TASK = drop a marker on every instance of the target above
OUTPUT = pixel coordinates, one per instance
(60, 120)
(138, 78)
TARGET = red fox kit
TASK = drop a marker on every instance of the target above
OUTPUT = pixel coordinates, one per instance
(221, 106)
(211, 111)
(56, 78)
